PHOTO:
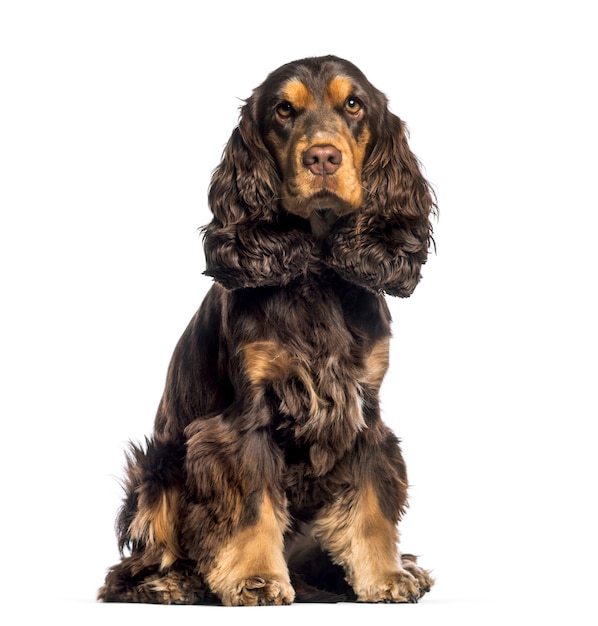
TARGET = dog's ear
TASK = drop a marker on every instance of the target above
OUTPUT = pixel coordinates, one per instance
(383, 245)
(249, 243)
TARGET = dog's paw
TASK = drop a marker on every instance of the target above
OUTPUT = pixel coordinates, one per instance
(259, 591)
(423, 577)
(173, 588)
(408, 584)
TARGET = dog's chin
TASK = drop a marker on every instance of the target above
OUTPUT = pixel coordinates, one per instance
(321, 210)
(321, 220)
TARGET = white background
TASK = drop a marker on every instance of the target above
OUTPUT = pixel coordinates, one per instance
(112, 117)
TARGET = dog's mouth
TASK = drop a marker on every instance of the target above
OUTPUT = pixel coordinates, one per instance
(320, 209)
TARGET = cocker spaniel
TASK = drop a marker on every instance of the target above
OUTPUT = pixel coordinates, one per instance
(270, 476)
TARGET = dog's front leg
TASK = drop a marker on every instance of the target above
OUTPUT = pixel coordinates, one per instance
(236, 515)
(363, 538)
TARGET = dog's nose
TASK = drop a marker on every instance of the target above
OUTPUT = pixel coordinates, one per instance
(322, 160)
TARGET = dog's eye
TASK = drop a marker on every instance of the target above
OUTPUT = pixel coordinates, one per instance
(285, 110)
(353, 105)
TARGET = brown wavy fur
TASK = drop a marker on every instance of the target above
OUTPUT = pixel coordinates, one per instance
(270, 476)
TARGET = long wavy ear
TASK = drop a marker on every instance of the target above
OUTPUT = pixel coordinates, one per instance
(383, 245)
(249, 243)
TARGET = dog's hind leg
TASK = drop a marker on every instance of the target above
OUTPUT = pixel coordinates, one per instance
(147, 527)
(130, 581)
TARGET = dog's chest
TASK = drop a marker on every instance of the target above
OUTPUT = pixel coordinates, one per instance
(315, 354)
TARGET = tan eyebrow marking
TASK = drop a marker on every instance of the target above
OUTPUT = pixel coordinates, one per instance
(338, 90)
(297, 94)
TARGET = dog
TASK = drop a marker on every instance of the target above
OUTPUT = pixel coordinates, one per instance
(270, 476)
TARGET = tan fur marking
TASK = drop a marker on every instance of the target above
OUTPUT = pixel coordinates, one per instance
(358, 536)
(156, 526)
(301, 186)
(338, 90)
(252, 562)
(267, 362)
(361, 146)
(377, 537)
(377, 364)
(297, 94)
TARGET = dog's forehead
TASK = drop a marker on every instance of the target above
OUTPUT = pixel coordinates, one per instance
(308, 94)
(314, 81)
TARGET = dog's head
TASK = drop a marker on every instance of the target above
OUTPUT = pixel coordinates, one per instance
(317, 117)
(318, 149)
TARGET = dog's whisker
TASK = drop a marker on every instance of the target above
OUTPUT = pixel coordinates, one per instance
(368, 191)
